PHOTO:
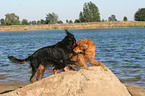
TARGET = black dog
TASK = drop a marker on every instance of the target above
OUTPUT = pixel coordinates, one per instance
(56, 55)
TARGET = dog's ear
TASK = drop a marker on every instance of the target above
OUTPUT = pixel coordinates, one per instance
(68, 33)
(84, 46)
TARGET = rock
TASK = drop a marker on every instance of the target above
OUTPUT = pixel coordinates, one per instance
(94, 82)
(135, 90)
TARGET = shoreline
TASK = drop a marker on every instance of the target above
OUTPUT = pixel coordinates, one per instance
(9, 86)
(87, 25)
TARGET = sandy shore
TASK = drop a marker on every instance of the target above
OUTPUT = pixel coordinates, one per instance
(8, 86)
(89, 25)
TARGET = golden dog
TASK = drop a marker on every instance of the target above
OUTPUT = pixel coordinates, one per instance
(86, 53)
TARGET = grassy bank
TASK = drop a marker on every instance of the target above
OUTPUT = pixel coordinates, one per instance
(90, 25)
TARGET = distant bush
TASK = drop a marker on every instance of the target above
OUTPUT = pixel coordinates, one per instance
(112, 18)
(2, 22)
(60, 22)
(25, 22)
(125, 18)
(12, 19)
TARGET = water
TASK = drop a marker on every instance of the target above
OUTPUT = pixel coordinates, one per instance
(121, 50)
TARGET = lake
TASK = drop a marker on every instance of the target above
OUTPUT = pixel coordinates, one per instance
(121, 50)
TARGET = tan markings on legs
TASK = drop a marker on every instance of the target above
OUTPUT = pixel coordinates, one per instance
(73, 67)
(97, 63)
(40, 66)
(41, 71)
(55, 71)
(67, 68)
(33, 76)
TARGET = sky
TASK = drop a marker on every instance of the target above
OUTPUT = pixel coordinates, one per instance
(69, 9)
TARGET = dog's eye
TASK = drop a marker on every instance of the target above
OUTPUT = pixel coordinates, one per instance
(76, 45)
(82, 47)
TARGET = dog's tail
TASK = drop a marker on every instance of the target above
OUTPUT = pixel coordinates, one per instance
(19, 61)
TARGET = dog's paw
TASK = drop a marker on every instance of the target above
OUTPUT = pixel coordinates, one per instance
(105, 69)
(90, 69)
(76, 70)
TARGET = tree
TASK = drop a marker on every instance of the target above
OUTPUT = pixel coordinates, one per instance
(109, 19)
(34, 22)
(67, 21)
(103, 20)
(70, 21)
(51, 18)
(125, 18)
(81, 17)
(112, 18)
(12, 19)
(42, 21)
(2, 22)
(77, 21)
(60, 22)
(25, 22)
(90, 13)
(140, 15)
(38, 22)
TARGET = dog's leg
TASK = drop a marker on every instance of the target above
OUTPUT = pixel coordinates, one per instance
(55, 70)
(34, 72)
(82, 61)
(73, 67)
(97, 63)
(41, 71)
(34, 65)
(85, 66)
(67, 68)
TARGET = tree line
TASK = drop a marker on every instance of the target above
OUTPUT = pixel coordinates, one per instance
(90, 13)
(12, 19)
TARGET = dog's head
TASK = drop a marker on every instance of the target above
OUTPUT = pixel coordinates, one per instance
(81, 48)
(68, 43)
(71, 39)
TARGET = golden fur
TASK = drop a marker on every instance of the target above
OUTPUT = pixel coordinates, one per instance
(86, 53)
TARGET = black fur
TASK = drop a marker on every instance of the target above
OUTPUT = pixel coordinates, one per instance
(56, 55)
